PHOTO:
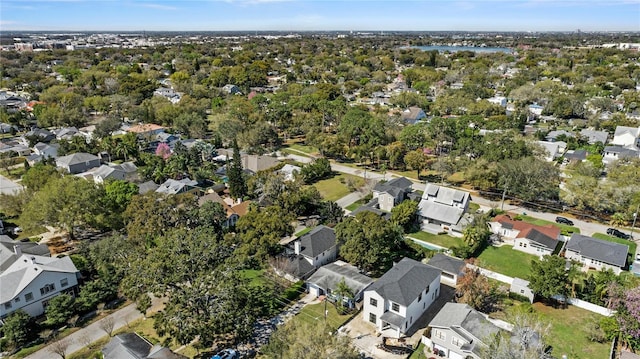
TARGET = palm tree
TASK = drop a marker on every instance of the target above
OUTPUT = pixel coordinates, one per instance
(342, 292)
(618, 219)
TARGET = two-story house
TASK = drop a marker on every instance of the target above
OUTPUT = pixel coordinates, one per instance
(317, 247)
(444, 208)
(396, 301)
(391, 193)
(30, 281)
(460, 332)
(597, 254)
(627, 137)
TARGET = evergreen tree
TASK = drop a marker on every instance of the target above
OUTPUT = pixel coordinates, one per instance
(237, 183)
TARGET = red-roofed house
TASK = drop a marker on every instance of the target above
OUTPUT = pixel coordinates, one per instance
(146, 129)
(526, 237)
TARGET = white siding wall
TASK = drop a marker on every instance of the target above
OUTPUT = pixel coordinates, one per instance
(415, 309)
(34, 307)
(323, 258)
(588, 263)
(524, 245)
(368, 309)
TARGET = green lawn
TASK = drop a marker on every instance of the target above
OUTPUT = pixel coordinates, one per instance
(473, 207)
(632, 245)
(335, 187)
(541, 222)
(303, 148)
(569, 332)
(506, 260)
(255, 276)
(355, 205)
(314, 313)
(442, 240)
(418, 353)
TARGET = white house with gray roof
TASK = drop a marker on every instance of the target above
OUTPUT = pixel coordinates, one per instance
(325, 280)
(594, 136)
(318, 247)
(391, 193)
(460, 332)
(444, 209)
(627, 137)
(30, 281)
(452, 268)
(172, 186)
(597, 254)
(396, 301)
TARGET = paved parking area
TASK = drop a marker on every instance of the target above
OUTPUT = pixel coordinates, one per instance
(365, 338)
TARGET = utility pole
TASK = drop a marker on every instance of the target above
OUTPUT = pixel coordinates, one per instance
(504, 193)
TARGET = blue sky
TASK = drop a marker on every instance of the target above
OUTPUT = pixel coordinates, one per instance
(292, 15)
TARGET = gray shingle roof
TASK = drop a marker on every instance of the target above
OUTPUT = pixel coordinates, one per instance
(447, 264)
(76, 158)
(598, 249)
(317, 241)
(405, 281)
(461, 316)
(330, 275)
(23, 271)
(542, 239)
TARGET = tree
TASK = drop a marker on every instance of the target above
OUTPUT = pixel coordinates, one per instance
(237, 182)
(527, 339)
(530, 179)
(404, 214)
(303, 340)
(143, 303)
(367, 241)
(416, 160)
(107, 324)
(60, 346)
(37, 176)
(18, 328)
(316, 170)
(626, 302)
(343, 293)
(59, 310)
(66, 202)
(475, 290)
(260, 231)
(549, 277)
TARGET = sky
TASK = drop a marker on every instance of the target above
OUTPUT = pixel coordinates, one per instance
(309, 15)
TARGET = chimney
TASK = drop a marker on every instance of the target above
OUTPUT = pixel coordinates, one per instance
(297, 247)
(17, 250)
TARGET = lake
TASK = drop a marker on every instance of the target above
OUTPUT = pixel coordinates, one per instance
(463, 48)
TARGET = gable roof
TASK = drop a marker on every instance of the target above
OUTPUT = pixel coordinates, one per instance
(598, 249)
(172, 186)
(524, 227)
(539, 237)
(317, 241)
(8, 250)
(26, 268)
(595, 136)
(133, 346)
(405, 281)
(623, 130)
(76, 158)
(447, 264)
(457, 316)
(328, 276)
(394, 186)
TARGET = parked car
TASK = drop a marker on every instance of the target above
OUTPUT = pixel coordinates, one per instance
(564, 220)
(226, 354)
(617, 233)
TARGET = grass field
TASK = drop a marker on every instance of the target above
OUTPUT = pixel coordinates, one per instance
(335, 187)
(418, 353)
(505, 260)
(314, 313)
(632, 245)
(442, 240)
(569, 332)
(355, 205)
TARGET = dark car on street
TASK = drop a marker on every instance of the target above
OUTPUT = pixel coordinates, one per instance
(563, 220)
(617, 233)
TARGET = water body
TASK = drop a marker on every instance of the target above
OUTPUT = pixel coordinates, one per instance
(463, 48)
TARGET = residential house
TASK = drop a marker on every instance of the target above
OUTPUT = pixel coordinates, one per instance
(256, 163)
(87, 132)
(627, 137)
(325, 281)
(30, 281)
(168, 93)
(231, 89)
(452, 268)
(147, 131)
(613, 153)
(10, 248)
(395, 302)
(66, 133)
(536, 109)
(46, 150)
(576, 156)
(318, 247)
(526, 237)
(172, 186)
(133, 346)
(459, 331)
(233, 211)
(391, 193)
(498, 100)
(147, 187)
(9, 187)
(412, 115)
(289, 172)
(14, 149)
(39, 134)
(552, 136)
(78, 162)
(443, 209)
(371, 206)
(7, 128)
(597, 254)
(552, 150)
(124, 171)
(594, 137)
